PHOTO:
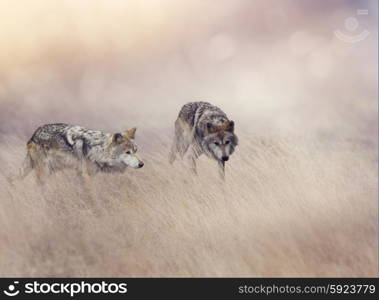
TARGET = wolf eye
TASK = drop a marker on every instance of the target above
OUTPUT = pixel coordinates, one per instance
(217, 143)
(127, 152)
(227, 142)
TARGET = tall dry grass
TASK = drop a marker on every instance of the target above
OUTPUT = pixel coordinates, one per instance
(289, 207)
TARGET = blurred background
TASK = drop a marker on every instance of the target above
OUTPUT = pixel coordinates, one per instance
(298, 77)
(274, 66)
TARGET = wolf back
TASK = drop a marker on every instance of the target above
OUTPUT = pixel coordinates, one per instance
(198, 114)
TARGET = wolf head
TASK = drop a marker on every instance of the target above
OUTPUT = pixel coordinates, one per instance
(221, 140)
(123, 149)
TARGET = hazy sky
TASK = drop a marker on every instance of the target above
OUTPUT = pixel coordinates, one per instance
(273, 66)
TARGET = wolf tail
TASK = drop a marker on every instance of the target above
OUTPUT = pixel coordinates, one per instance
(29, 161)
(26, 167)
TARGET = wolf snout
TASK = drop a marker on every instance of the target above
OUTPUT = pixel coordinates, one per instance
(225, 158)
(141, 164)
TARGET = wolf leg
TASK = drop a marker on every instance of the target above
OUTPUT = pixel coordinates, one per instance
(85, 175)
(222, 169)
(84, 172)
(40, 169)
(180, 144)
(83, 168)
(193, 157)
(172, 155)
(175, 144)
(193, 165)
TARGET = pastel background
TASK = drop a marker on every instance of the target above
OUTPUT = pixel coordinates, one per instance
(301, 194)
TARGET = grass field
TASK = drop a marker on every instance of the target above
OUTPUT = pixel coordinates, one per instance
(301, 195)
(288, 208)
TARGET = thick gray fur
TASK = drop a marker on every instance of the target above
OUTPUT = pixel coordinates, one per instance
(204, 129)
(57, 146)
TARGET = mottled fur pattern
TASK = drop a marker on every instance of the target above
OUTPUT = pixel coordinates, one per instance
(206, 129)
(57, 146)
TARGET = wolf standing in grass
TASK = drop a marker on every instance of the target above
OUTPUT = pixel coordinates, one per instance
(206, 129)
(57, 146)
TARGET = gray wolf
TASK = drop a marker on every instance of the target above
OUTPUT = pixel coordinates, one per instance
(57, 146)
(204, 128)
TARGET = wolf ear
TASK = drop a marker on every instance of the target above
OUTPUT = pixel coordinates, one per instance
(131, 133)
(230, 126)
(117, 138)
